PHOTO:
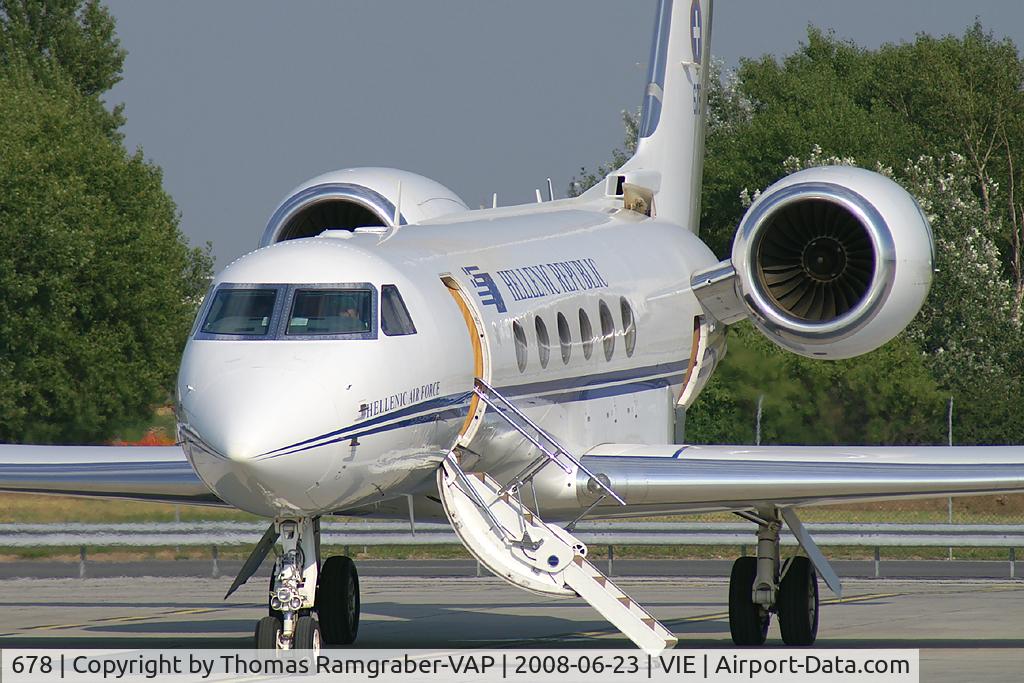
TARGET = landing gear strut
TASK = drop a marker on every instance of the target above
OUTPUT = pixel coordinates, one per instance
(309, 605)
(758, 586)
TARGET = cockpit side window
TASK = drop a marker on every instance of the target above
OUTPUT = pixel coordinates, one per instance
(202, 310)
(330, 312)
(394, 316)
(241, 312)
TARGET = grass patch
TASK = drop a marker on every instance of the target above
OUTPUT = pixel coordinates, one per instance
(44, 509)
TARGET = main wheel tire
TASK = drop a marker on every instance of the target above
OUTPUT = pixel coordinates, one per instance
(798, 603)
(337, 600)
(748, 621)
(267, 630)
(307, 634)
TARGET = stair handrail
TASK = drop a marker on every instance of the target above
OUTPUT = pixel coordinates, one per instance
(481, 388)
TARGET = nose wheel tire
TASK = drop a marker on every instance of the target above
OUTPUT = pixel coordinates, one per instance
(267, 631)
(307, 635)
(337, 600)
(748, 621)
(798, 603)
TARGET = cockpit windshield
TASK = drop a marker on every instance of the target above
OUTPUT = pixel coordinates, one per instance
(330, 311)
(241, 311)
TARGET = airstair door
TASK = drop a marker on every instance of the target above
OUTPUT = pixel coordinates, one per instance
(519, 547)
(474, 328)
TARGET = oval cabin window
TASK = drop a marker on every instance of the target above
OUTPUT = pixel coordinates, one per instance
(543, 342)
(520, 339)
(564, 338)
(607, 330)
(628, 326)
(586, 334)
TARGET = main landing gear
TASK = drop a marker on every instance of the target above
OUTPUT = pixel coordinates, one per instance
(310, 604)
(758, 587)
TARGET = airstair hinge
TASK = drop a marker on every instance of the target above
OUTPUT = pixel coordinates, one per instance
(551, 451)
(527, 543)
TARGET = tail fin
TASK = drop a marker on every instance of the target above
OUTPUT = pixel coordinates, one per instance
(669, 159)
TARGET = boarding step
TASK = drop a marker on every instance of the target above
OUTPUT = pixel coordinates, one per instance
(619, 609)
(515, 544)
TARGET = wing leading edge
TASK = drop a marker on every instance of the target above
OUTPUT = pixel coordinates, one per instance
(150, 473)
(667, 479)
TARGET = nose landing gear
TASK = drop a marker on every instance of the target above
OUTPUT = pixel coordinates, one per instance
(310, 605)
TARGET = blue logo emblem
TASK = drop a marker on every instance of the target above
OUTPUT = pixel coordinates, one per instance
(695, 30)
(486, 288)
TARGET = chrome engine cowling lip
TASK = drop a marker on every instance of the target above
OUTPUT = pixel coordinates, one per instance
(365, 197)
(766, 312)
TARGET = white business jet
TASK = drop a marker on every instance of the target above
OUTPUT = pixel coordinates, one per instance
(388, 352)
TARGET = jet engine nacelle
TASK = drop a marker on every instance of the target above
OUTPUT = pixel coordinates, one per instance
(832, 262)
(358, 197)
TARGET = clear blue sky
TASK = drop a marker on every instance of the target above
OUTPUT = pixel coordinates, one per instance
(240, 100)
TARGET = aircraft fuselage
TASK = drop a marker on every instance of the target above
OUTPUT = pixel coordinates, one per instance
(282, 423)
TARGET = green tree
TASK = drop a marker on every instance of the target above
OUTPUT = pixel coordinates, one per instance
(887, 397)
(947, 114)
(933, 96)
(61, 40)
(97, 285)
(964, 338)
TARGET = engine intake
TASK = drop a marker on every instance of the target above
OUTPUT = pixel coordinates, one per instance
(814, 259)
(832, 262)
(358, 197)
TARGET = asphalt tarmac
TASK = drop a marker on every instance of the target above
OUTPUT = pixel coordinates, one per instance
(966, 630)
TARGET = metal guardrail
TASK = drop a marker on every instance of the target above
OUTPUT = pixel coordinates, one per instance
(219, 534)
(596, 533)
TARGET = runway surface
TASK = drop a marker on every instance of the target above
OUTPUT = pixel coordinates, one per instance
(966, 630)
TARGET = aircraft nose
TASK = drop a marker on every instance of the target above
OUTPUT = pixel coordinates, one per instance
(248, 413)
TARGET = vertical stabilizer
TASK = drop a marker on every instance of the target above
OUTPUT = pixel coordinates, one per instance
(669, 158)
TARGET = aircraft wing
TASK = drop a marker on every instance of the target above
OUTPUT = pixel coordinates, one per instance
(672, 478)
(151, 473)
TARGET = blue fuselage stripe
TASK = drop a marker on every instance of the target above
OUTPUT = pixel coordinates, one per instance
(583, 381)
(566, 390)
(425, 406)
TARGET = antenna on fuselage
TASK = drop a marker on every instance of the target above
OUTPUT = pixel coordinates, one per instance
(494, 200)
(540, 200)
(551, 191)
